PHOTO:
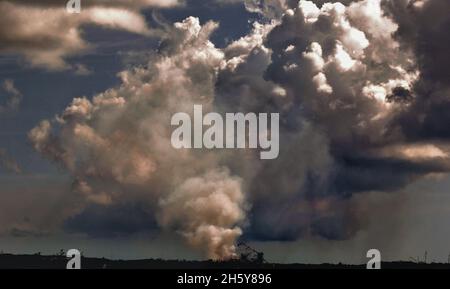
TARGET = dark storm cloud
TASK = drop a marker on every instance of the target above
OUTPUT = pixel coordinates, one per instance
(362, 173)
(357, 147)
(425, 31)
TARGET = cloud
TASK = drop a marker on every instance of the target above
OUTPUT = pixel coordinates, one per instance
(46, 34)
(82, 70)
(347, 78)
(13, 96)
(422, 30)
(268, 8)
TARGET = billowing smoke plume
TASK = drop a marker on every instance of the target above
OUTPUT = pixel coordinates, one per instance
(346, 79)
(118, 147)
(206, 209)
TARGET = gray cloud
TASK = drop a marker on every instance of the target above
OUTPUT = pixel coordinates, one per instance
(423, 30)
(11, 96)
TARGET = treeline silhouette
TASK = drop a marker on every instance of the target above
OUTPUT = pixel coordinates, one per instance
(59, 261)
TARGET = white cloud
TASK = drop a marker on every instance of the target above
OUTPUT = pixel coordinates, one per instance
(47, 35)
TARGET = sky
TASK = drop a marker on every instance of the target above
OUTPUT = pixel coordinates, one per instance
(362, 89)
